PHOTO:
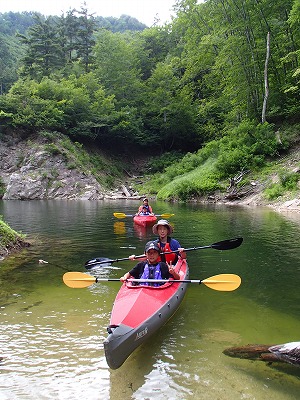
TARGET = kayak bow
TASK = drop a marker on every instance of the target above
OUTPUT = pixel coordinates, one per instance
(144, 220)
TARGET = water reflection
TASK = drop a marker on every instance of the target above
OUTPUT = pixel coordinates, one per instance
(143, 232)
(119, 228)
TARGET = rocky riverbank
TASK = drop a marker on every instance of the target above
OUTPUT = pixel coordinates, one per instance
(36, 168)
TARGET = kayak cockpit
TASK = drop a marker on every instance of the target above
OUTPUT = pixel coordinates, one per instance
(134, 285)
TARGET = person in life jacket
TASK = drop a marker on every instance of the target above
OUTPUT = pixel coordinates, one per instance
(151, 268)
(148, 207)
(144, 211)
(166, 243)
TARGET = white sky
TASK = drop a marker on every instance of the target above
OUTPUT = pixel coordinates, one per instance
(144, 10)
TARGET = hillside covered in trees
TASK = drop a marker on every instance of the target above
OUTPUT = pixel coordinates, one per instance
(210, 96)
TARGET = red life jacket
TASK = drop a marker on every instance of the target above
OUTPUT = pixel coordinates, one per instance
(173, 257)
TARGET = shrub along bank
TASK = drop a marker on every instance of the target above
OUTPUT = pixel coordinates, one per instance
(252, 159)
(10, 240)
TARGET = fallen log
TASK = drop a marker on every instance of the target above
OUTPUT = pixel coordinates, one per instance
(287, 352)
(250, 351)
(126, 191)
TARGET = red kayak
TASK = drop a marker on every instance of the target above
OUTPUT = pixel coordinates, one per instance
(138, 312)
(144, 220)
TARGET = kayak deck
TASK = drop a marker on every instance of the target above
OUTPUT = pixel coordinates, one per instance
(138, 312)
(144, 220)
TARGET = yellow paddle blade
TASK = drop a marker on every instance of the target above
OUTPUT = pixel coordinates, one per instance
(119, 215)
(223, 282)
(123, 215)
(78, 280)
(166, 215)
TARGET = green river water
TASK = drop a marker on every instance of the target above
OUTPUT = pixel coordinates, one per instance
(52, 336)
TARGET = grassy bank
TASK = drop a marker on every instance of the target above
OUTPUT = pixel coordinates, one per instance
(231, 169)
(10, 240)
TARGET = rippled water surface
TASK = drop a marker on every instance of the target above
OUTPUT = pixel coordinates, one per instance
(52, 336)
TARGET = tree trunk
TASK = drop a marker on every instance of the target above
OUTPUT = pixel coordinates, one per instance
(263, 115)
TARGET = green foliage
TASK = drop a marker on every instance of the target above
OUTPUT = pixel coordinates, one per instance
(246, 147)
(196, 85)
(194, 184)
(122, 24)
(64, 106)
(8, 236)
(288, 182)
(274, 191)
(52, 149)
(44, 51)
(160, 163)
(155, 45)
(169, 110)
(117, 67)
(13, 22)
(10, 55)
(234, 160)
(193, 179)
(127, 126)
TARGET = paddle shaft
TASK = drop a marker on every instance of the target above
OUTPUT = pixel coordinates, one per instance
(223, 245)
(126, 215)
(97, 280)
(199, 281)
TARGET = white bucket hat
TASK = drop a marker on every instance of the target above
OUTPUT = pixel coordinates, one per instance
(163, 222)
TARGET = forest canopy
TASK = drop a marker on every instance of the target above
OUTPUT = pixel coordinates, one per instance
(218, 80)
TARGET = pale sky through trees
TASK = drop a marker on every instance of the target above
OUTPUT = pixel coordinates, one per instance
(145, 11)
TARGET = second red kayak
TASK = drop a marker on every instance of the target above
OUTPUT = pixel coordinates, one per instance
(144, 220)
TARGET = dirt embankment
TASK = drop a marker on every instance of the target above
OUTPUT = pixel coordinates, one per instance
(252, 193)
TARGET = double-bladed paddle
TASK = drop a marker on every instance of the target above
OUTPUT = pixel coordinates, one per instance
(98, 261)
(223, 245)
(123, 215)
(221, 282)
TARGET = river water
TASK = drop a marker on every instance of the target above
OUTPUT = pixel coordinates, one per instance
(51, 336)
